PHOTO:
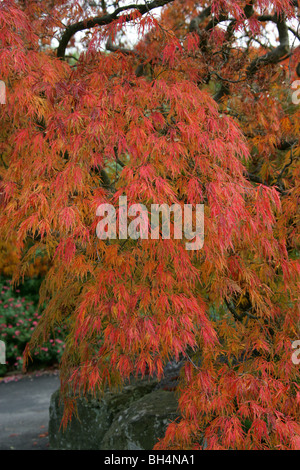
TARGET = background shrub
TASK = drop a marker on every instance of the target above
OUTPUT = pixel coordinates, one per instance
(18, 318)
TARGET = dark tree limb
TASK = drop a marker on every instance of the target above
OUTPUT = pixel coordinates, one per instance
(286, 144)
(224, 91)
(105, 20)
(236, 315)
(286, 166)
(276, 54)
(195, 23)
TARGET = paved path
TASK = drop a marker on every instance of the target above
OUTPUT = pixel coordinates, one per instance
(24, 412)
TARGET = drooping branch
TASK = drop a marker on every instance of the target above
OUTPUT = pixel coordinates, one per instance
(105, 20)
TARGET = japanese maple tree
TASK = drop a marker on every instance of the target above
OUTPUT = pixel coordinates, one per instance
(197, 111)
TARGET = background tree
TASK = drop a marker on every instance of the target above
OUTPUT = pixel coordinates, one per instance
(199, 111)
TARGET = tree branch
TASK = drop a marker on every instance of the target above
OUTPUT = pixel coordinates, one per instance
(112, 48)
(105, 20)
(276, 54)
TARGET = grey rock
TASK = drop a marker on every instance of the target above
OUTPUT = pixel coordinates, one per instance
(133, 418)
(141, 425)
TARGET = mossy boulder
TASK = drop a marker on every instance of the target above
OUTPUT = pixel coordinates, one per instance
(139, 426)
(133, 418)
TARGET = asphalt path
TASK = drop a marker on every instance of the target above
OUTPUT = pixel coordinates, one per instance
(24, 412)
